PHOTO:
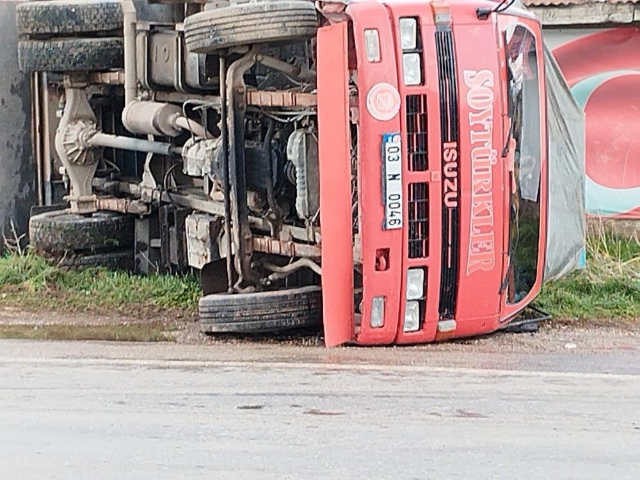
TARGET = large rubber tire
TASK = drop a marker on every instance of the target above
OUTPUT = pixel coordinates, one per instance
(61, 232)
(250, 23)
(261, 312)
(64, 17)
(70, 55)
(119, 260)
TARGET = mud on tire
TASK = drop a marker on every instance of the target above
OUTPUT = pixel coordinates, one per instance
(70, 55)
(62, 233)
(250, 23)
(261, 312)
(68, 17)
(118, 260)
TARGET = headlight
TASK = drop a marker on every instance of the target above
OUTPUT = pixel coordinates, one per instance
(415, 283)
(412, 68)
(408, 33)
(411, 317)
(377, 312)
(372, 45)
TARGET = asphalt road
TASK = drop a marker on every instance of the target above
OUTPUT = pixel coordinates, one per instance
(105, 411)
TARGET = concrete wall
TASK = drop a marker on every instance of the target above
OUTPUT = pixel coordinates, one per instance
(17, 167)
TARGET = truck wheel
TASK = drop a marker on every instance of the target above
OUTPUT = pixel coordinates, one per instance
(250, 23)
(119, 260)
(261, 312)
(61, 17)
(61, 232)
(70, 55)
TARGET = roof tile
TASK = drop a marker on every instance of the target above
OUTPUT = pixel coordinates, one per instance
(562, 3)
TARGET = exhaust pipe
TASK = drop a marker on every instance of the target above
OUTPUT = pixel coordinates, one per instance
(129, 30)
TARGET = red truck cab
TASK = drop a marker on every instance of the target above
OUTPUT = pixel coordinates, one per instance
(433, 169)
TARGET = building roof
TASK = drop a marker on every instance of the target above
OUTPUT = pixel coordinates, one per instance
(559, 3)
(585, 12)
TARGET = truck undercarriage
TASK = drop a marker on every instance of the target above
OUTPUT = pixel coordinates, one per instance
(249, 219)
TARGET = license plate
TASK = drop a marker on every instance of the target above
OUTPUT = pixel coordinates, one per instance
(392, 185)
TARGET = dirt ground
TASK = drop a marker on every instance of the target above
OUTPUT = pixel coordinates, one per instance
(554, 336)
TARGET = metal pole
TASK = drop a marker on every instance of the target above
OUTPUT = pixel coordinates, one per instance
(128, 143)
(225, 170)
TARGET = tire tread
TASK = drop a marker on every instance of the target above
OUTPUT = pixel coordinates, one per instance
(68, 17)
(261, 312)
(250, 23)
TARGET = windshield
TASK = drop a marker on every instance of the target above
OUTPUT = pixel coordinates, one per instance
(525, 155)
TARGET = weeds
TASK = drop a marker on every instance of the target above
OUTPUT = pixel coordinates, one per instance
(32, 282)
(14, 242)
(609, 287)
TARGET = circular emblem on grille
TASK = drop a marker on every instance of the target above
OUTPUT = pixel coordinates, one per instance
(383, 101)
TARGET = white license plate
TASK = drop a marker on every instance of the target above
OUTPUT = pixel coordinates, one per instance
(392, 156)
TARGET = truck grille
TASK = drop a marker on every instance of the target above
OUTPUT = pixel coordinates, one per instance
(418, 220)
(417, 132)
(449, 126)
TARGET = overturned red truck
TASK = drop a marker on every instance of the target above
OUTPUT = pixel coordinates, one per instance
(379, 166)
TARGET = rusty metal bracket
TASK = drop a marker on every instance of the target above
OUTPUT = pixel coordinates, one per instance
(122, 205)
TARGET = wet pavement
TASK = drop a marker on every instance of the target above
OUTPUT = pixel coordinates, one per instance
(481, 409)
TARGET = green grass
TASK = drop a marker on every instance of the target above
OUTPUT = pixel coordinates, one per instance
(31, 282)
(609, 287)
